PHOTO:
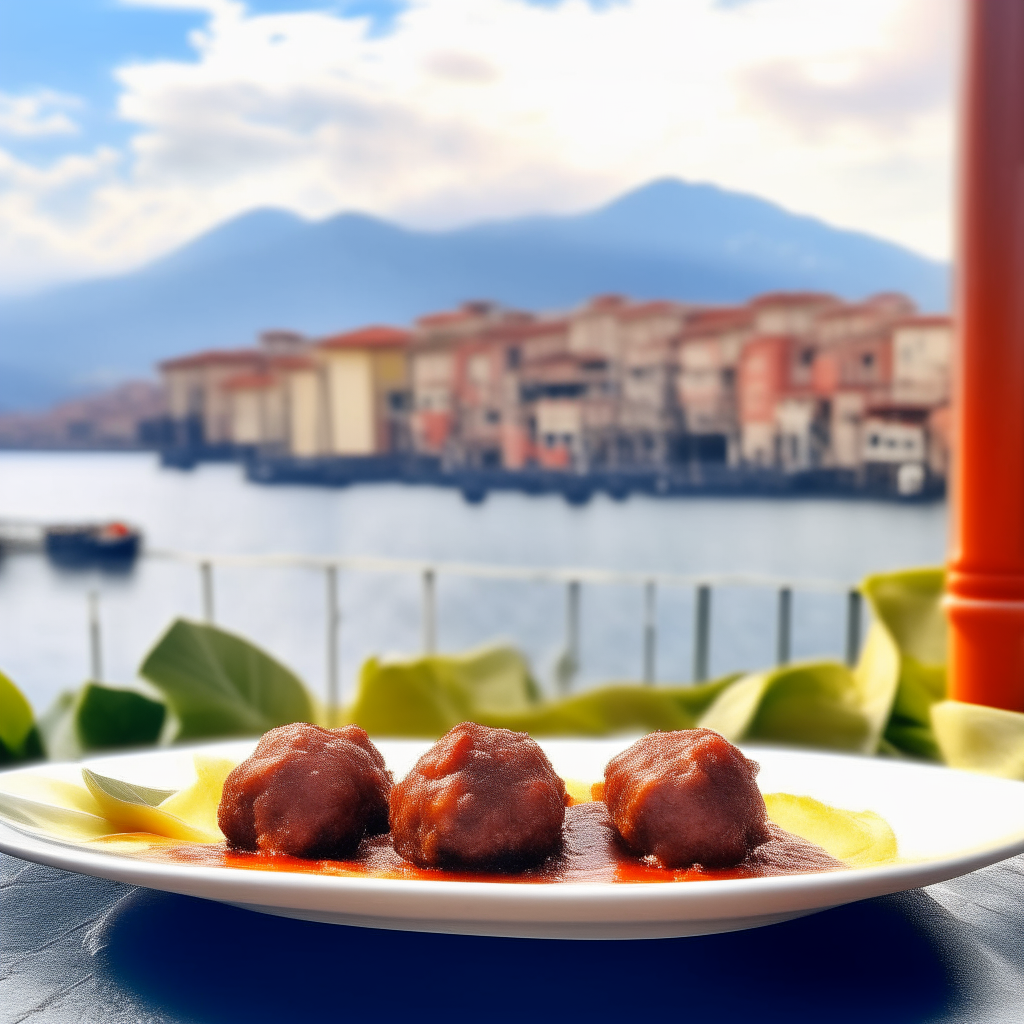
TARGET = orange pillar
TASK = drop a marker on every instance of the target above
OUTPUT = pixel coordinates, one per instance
(985, 602)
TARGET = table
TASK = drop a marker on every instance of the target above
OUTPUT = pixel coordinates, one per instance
(79, 949)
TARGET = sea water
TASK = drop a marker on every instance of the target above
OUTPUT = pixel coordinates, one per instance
(44, 635)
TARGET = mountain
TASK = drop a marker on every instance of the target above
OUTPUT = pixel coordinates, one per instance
(270, 268)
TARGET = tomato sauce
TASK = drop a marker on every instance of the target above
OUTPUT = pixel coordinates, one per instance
(591, 852)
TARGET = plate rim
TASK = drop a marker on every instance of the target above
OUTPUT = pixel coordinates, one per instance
(428, 904)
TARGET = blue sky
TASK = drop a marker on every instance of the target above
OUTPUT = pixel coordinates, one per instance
(73, 47)
(128, 126)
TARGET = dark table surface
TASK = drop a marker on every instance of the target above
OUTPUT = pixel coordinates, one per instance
(80, 949)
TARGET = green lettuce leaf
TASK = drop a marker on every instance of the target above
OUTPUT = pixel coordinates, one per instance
(980, 739)
(908, 616)
(816, 705)
(218, 684)
(616, 708)
(428, 696)
(19, 738)
(100, 717)
(493, 686)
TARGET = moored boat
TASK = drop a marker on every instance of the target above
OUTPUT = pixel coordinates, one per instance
(112, 544)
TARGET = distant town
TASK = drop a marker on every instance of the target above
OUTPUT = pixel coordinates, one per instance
(791, 392)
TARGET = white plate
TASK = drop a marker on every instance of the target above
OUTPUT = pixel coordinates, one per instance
(947, 823)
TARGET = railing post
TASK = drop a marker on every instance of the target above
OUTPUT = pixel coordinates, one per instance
(702, 633)
(784, 629)
(569, 663)
(206, 581)
(429, 611)
(650, 630)
(95, 639)
(853, 612)
(333, 621)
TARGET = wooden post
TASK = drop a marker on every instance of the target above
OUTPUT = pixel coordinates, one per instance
(985, 586)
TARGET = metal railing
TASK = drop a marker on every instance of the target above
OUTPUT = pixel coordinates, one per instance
(648, 583)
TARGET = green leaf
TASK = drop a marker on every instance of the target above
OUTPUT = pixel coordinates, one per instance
(100, 717)
(817, 705)
(617, 708)
(907, 609)
(218, 684)
(109, 717)
(126, 792)
(980, 739)
(428, 696)
(907, 603)
(18, 737)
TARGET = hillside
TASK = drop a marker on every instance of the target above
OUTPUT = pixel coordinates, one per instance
(270, 268)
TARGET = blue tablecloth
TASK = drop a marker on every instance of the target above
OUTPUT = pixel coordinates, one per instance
(78, 949)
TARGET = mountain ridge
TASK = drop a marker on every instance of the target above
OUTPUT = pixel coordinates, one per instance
(269, 268)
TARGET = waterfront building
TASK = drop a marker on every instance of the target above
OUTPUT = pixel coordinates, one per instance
(198, 406)
(790, 382)
(437, 374)
(651, 415)
(707, 358)
(767, 393)
(792, 313)
(256, 404)
(364, 391)
(922, 350)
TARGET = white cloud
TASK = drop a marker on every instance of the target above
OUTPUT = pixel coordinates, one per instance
(473, 108)
(37, 114)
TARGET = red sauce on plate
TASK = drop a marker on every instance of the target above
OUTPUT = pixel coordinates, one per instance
(591, 852)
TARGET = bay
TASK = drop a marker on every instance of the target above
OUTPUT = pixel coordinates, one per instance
(44, 640)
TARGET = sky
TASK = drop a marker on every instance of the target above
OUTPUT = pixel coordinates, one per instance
(127, 127)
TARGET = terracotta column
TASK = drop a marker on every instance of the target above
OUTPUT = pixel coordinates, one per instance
(986, 560)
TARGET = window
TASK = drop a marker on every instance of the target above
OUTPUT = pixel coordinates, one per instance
(492, 416)
(867, 360)
(513, 358)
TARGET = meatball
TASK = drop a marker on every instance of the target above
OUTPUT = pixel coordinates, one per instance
(306, 791)
(480, 798)
(687, 797)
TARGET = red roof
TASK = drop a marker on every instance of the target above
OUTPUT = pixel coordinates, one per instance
(714, 320)
(652, 308)
(442, 319)
(215, 357)
(936, 320)
(520, 331)
(250, 382)
(608, 301)
(791, 299)
(849, 309)
(291, 363)
(367, 337)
